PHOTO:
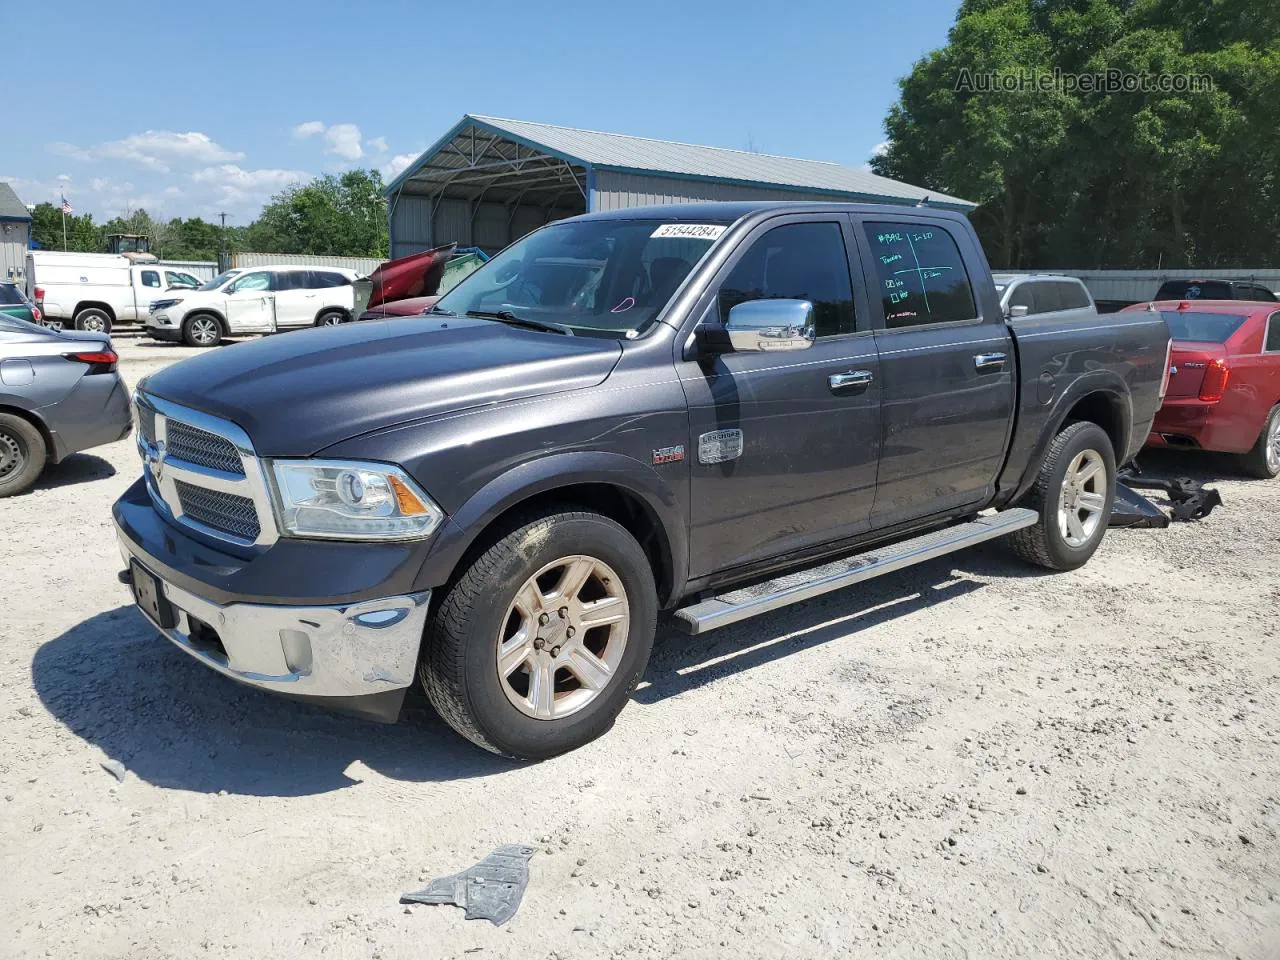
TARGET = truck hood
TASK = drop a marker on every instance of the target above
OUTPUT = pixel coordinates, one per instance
(299, 392)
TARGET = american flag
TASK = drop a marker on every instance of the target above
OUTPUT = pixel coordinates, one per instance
(66, 206)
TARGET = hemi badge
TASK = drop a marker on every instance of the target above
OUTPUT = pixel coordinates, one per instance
(669, 454)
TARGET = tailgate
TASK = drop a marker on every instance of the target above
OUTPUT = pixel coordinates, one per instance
(1191, 360)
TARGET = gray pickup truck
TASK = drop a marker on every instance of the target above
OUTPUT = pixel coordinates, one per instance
(712, 410)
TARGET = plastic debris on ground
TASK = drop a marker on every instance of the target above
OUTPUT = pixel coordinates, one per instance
(490, 890)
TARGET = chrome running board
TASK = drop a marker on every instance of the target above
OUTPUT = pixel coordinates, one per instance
(735, 605)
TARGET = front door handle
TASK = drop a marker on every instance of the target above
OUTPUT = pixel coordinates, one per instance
(855, 381)
(990, 362)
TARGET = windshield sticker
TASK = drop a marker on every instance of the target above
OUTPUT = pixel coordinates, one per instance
(690, 231)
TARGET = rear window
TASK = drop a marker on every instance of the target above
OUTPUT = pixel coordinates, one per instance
(1202, 327)
(10, 296)
(1195, 290)
(1073, 295)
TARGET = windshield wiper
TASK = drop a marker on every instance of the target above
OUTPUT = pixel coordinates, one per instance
(506, 316)
(440, 311)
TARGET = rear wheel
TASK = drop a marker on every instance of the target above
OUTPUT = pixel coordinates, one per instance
(331, 318)
(1263, 461)
(94, 320)
(1073, 494)
(202, 330)
(22, 454)
(536, 648)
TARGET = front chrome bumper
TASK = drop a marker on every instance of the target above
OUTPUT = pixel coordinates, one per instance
(340, 651)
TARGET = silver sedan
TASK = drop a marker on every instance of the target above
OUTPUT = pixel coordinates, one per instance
(59, 394)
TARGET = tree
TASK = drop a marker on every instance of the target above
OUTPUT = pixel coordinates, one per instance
(83, 235)
(331, 216)
(1071, 177)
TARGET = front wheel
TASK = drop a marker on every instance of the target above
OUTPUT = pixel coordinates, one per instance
(1074, 494)
(202, 330)
(1263, 461)
(537, 647)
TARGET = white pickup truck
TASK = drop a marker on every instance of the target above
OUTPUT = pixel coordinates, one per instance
(95, 291)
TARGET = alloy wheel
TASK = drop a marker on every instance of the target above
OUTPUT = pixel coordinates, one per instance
(204, 330)
(1273, 445)
(563, 637)
(1083, 498)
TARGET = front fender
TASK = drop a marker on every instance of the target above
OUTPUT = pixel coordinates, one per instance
(549, 473)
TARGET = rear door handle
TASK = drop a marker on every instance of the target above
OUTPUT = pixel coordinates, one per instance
(855, 381)
(990, 362)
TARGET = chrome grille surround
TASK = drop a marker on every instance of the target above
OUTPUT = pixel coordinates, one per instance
(163, 467)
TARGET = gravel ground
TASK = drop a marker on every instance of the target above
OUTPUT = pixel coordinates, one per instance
(968, 759)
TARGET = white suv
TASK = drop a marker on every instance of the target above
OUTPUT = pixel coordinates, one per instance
(254, 300)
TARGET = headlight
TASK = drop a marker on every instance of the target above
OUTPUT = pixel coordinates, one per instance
(164, 304)
(351, 500)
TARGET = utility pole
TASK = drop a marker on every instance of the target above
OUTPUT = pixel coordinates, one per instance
(224, 259)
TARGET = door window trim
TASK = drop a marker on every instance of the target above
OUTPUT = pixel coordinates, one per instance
(1272, 321)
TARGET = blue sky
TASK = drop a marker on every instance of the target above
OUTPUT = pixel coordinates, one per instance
(220, 106)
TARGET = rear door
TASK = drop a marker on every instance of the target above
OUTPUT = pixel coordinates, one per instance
(783, 446)
(250, 304)
(296, 298)
(947, 367)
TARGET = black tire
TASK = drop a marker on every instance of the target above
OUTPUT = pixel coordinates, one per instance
(459, 669)
(22, 454)
(1263, 461)
(331, 318)
(94, 319)
(202, 330)
(1045, 543)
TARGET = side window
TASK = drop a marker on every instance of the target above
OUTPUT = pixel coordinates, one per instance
(798, 261)
(151, 278)
(1074, 296)
(1024, 296)
(293, 280)
(922, 275)
(175, 279)
(330, 279)
(249, 282)
(1273, 335)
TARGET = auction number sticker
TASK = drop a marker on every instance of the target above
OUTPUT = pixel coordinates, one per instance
(690, 231)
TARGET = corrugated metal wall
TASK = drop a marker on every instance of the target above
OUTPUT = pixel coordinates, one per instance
(365, 265)
(490, 226)
(1134, 286)
(14, 241)
(200, 269)
(618, 191)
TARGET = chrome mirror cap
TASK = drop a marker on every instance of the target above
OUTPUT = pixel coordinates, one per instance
(1019, 311)
(771, 326)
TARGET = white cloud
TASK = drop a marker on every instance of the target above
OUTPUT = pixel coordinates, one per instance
(395, 166)
(379, 144)
(154, 149)
(64, 177)
(341, 139)
(244, 188)
(880, 149)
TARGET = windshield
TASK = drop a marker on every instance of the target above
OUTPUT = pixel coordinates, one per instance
(11, 296)
(597, 277)
(219, 280)
(1202, 327)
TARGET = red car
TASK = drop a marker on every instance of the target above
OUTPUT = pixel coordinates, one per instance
(1224, 388)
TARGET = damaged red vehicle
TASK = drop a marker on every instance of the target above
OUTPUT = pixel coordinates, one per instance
(1224, 386)
(412, 284)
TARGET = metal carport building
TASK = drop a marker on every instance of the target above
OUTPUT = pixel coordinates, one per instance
(489, 181)
(15, 235)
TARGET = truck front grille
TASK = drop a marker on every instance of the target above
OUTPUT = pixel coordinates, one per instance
(202, 473)
(205, 449)
(221, 511)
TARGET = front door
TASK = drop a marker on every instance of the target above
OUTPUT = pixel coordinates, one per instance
(250, 304)
(783, 446)
(947, 369)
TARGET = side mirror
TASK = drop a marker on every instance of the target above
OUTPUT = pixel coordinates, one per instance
(1018, 311)
(771, 326)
